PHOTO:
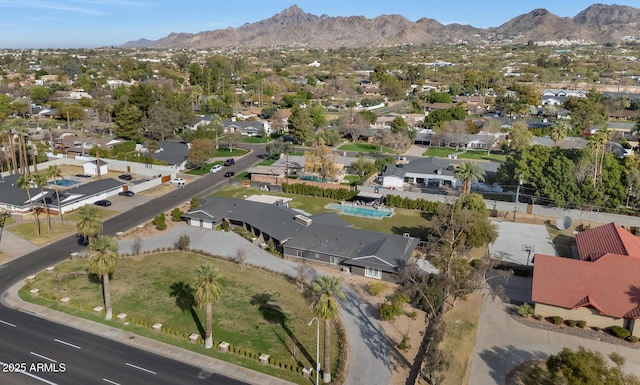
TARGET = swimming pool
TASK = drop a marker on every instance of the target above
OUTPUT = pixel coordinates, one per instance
(314, 178)
(64, 182)
(361, 211)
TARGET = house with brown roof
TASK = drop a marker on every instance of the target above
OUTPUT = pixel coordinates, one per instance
(601, 286)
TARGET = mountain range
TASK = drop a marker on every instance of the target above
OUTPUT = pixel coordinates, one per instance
(293, 27)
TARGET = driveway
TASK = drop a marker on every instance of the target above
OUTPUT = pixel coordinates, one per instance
(502, 343)
(369, 360)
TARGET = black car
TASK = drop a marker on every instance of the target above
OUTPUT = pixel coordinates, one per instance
(127, 193)
(103, 203)
(229, 174)
(125, 177)
(229, 162)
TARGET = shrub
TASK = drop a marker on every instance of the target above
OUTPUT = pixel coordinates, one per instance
(160, 221)
(176, 215)
(413, 315)
(225, 226)
(405, 344)
(538, 317)
(581, 324)
(571, 323)
(620, 332)
(596, 328)
(525, 310)
(389, 311)
(377, 288)
(556, 320)
(632, 339)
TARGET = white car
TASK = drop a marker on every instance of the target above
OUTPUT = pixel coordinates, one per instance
(215, 168)
(177, 181)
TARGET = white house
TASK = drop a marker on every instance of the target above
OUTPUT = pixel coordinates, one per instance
(91, 168)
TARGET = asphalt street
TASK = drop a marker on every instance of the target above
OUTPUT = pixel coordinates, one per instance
(91, 359)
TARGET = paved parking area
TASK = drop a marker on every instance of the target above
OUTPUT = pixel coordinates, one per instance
(518, 242)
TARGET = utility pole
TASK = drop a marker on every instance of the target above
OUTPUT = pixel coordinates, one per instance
(515, 207)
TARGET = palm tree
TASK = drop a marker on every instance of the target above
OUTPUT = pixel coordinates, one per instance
(41, 179)
(208, 290)
(24, 182)
(597, 142)
(328, 290)
(469, 172)
(103, 261)
(558, 132)
(89, 225)
(54, 172)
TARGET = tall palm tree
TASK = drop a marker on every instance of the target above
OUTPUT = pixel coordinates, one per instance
(41, 179)
(89, 225)
(558, 132)
(54, 172)
(103, 261)
(597, 142)
(469, 172)
(208, 290)
(24, 182)
(328, 290)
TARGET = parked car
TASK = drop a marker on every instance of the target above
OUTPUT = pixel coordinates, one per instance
(127, 193)
(229, 174)
(125, 177)
(177, 181)
(215, 168)
(229, 162)
(102, 202)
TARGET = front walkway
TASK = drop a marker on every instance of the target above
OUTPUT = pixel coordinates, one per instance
(369, 356)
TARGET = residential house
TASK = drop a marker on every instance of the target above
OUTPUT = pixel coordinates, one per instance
(600, 286)
(559, 96)
(246, 127)
(92, 168)
(15, 200)
(324, 238)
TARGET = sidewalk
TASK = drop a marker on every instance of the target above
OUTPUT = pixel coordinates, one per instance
(11, 299)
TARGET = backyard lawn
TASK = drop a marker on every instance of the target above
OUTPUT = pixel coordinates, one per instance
(402, 221)
(483, 155)
(259, 312)
(204, 170)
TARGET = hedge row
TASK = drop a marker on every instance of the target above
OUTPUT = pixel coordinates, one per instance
(408, 203)
(341, 194)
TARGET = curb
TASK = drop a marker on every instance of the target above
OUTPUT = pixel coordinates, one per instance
(11, 299)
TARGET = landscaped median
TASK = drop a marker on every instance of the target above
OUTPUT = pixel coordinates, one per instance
(260, 313)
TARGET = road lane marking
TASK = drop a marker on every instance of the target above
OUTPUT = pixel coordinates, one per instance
(7, 323)
(32, 376)
(109, 381)
(66, 343)
(139, 368)
(44, 357)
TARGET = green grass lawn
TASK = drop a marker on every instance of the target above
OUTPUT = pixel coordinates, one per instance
(402, 221)
(259, 312)
(269, 161)
(440, 152)
(204, 170)
(482, 155)
(256, 139)
(364, 147)
(29, 232)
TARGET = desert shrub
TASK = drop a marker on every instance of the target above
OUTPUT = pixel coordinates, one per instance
(556, 320)
(405, 344)
(176, 215)
(160, 221)
(525, 310)
(581, 324)
(538, 317)
(476, 263)
(225, 226)
(392, 307)
(596, 328)
(632, 339)
(620, 332)
(570, 322)
(413, 315)
(377, 288)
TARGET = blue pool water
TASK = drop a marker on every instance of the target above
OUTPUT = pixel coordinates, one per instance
(64, 182)
(361, 211)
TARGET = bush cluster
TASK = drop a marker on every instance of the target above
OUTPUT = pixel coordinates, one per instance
(581, 324)
(408, 203)
(620, 332)
(525, 310)
(392, 307)
(377, 288)
(556, 320)
(160, 221)
(571, 323)
(341, 194)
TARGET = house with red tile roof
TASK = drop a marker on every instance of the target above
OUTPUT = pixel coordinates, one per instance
(601, 286)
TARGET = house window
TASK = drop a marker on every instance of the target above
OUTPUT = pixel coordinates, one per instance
(372, 273)
(334, 260)
(301, 253)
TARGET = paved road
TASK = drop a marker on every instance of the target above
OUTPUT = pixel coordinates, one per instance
(24, 333)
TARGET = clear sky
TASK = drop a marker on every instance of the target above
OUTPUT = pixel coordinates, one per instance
(96, 23)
